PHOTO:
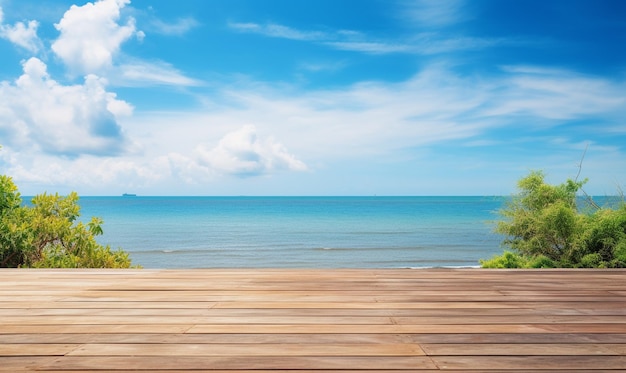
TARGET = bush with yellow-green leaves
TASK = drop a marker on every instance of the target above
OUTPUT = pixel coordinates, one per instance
(49, 235)
(544, 226)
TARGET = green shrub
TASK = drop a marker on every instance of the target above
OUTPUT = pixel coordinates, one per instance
(544, 228)
(506, 260)
(48, 235)
(541, 261)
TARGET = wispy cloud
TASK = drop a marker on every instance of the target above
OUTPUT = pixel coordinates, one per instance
(424, 43)
(144, 73)
(370, 47)
(179, 27)
(558, 94)
(434, 106)
(431, 31)
(434, 13)
(279, 31)
(323, 66)
(421, 44)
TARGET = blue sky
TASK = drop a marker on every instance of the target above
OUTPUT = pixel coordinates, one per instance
(283, 97)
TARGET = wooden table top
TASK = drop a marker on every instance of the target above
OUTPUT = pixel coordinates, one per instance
(307, 320)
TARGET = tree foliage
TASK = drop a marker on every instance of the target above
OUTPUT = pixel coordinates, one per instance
(544, 227)
(48, 234)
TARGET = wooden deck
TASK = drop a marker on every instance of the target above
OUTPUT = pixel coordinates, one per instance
(312, 320)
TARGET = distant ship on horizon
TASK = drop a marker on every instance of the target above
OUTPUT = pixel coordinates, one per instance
(129, 195)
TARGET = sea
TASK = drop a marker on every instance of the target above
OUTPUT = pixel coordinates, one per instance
(299, 232)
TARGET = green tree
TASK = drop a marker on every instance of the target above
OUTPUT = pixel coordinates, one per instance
(15, 235)
(48, 234)
(544, 227)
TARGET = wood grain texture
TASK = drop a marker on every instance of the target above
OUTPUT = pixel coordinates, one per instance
(353, 320)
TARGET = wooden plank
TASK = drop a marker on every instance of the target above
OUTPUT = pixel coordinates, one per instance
(257, 371)
(51, 310)
(36, 349)
(520, 319)
(617, 321)
(367, 305)
(314, 329)
(410, 329)
(62, 304)
(15, 364)
(515, 349)
(243, 338)
(153, 363)
(584, 363)
(189, 320)
(94, 328)
(254, 349)
(348, 297)
(117, 304)
(155, 338)
(526, 338)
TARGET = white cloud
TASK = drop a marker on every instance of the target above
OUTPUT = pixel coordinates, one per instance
(238, 153)
(323, 66)
(87, 171)
(91, 36)
(370, 47)
(557, 94)
(140, 73)
(365, 118)
(242, 153)
(435, 13)
(21, 34)
(38, 112)
(425, 43)
(420, 44)
(366, 123)
(378, 118)
(278, 31)
(179, 27)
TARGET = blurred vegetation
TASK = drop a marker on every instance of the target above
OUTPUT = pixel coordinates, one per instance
(49, 235)
(544, 227)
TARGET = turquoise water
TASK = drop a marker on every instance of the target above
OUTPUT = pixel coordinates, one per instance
(299, 232)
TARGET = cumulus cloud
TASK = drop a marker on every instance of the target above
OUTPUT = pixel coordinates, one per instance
(91, 35)
(69, 120)
(21, 34)
(242, 153)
